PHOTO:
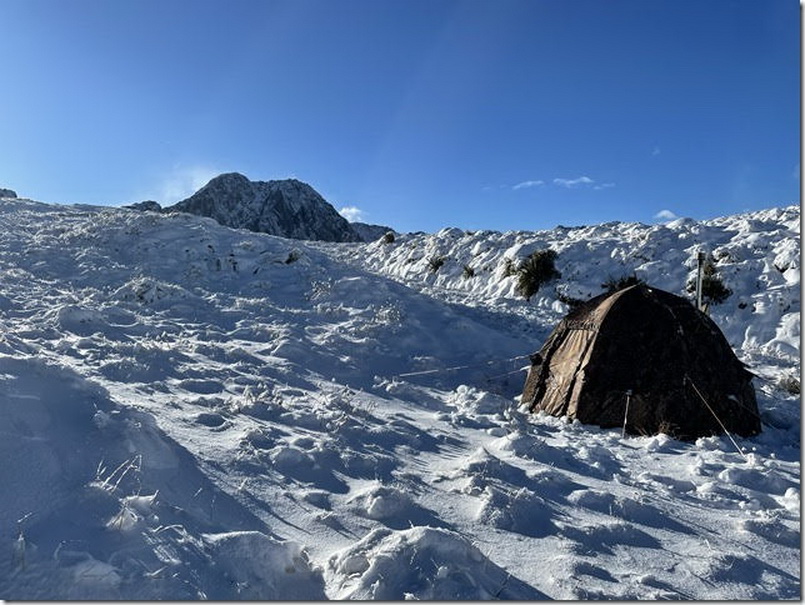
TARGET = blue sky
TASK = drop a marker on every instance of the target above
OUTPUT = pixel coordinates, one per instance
(497, 114)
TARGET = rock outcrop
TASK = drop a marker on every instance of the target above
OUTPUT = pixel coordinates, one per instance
(288, 208)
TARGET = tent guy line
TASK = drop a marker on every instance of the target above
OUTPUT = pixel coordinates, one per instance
(712, 411)
(467, 367)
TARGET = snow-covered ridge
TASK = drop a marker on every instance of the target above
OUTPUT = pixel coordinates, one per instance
(757, 256)
(192, 411)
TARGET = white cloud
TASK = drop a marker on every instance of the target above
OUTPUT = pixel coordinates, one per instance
(666, 215)
(582, 182)
(571, 183)
(183, 182)
(352, 213)
(527, 184)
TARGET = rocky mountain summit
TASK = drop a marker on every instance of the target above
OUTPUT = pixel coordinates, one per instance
(288, 208)
(8, 193)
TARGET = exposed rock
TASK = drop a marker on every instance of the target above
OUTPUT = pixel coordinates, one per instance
(148, 205)
(288, 208)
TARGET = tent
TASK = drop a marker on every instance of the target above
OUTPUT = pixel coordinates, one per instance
(647, 360)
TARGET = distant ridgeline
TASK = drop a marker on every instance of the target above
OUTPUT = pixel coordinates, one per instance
(288, 208)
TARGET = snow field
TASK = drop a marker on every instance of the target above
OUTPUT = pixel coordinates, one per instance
(190, 412)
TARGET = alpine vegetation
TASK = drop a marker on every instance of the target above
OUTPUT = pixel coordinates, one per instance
(612, 285)
(538, 268)
(713, 289)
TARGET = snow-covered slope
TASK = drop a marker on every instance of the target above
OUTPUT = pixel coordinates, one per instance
(288, 208)
(757, 256)
(193, 411)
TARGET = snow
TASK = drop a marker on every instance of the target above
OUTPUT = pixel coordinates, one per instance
(191, 411)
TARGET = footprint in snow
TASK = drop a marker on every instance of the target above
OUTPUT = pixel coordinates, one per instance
(202, 387)
(595, 539)
(626, 509)
(766, 581)
(211, 420)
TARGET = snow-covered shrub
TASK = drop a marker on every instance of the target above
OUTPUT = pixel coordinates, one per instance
(435, 263)
(536, 270)
(263, 568)
(790, 385)
(381, 502)
(423, 563)
(150, 291)
(571, 301)
(509, 268)
(516, 510)
(624, 281)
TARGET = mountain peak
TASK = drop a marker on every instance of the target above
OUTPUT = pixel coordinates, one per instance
(228, 178)
(288, 208)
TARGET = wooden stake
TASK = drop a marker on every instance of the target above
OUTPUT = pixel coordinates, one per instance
(626, 413)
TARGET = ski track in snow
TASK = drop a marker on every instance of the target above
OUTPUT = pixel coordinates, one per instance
(190, 411)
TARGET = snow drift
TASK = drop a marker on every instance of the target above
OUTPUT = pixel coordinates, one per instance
(191, 411)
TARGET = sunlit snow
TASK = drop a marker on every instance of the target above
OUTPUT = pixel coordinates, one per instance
(190, 411)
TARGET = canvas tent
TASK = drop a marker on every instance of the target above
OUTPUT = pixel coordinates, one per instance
(647, 360)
